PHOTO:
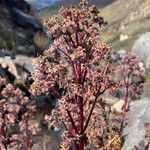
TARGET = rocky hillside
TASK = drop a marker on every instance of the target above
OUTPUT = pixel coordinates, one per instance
(127, 19)
(20, 31)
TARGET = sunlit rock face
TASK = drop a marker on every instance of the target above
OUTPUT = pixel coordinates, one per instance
(141, 48)
(135, 133)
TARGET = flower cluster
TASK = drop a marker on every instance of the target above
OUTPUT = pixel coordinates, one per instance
(15, 111)
(76, 70)
(132, 76)
(147, 134)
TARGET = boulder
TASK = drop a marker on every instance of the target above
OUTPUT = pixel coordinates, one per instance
(4, 73)
(21, 67)
(25, 61)
(45, 102)
(21, 35)
(31, 48)
(4, 53)
(141, 48)
(18, 28)
(137, 79)
(146, 92)
(147, 62)
(8, 62)
(117, 107)
(26, 49)
(134, 132)
(115, 56)
(121, 53)
(21, 49)
(24, 20)
(19, 4)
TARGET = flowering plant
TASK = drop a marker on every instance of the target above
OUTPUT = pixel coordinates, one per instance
(76, 70)
(131, 76)
(15, 110)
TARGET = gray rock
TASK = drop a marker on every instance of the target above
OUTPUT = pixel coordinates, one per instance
(21, 35)
(147, 63)
(8, 62)
(141, 48)
(26, 49)
(31, 48)
(22, 5)
(115, 56)
(121, 53)
(45, 102)
(25, 61)
(21, 48)
(4, 53)
(24, 20)
(18, 28)
(47, 142)
(20, 67)
(137, 79)
(40, 143)
(118, 55)
(5, 73)
(134, 132)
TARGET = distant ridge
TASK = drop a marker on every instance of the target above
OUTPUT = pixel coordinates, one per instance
(129, 18)
(51, 10)
(41, 4)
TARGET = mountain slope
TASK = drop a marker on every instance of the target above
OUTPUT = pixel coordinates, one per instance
(49, 11)
(127, 19)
